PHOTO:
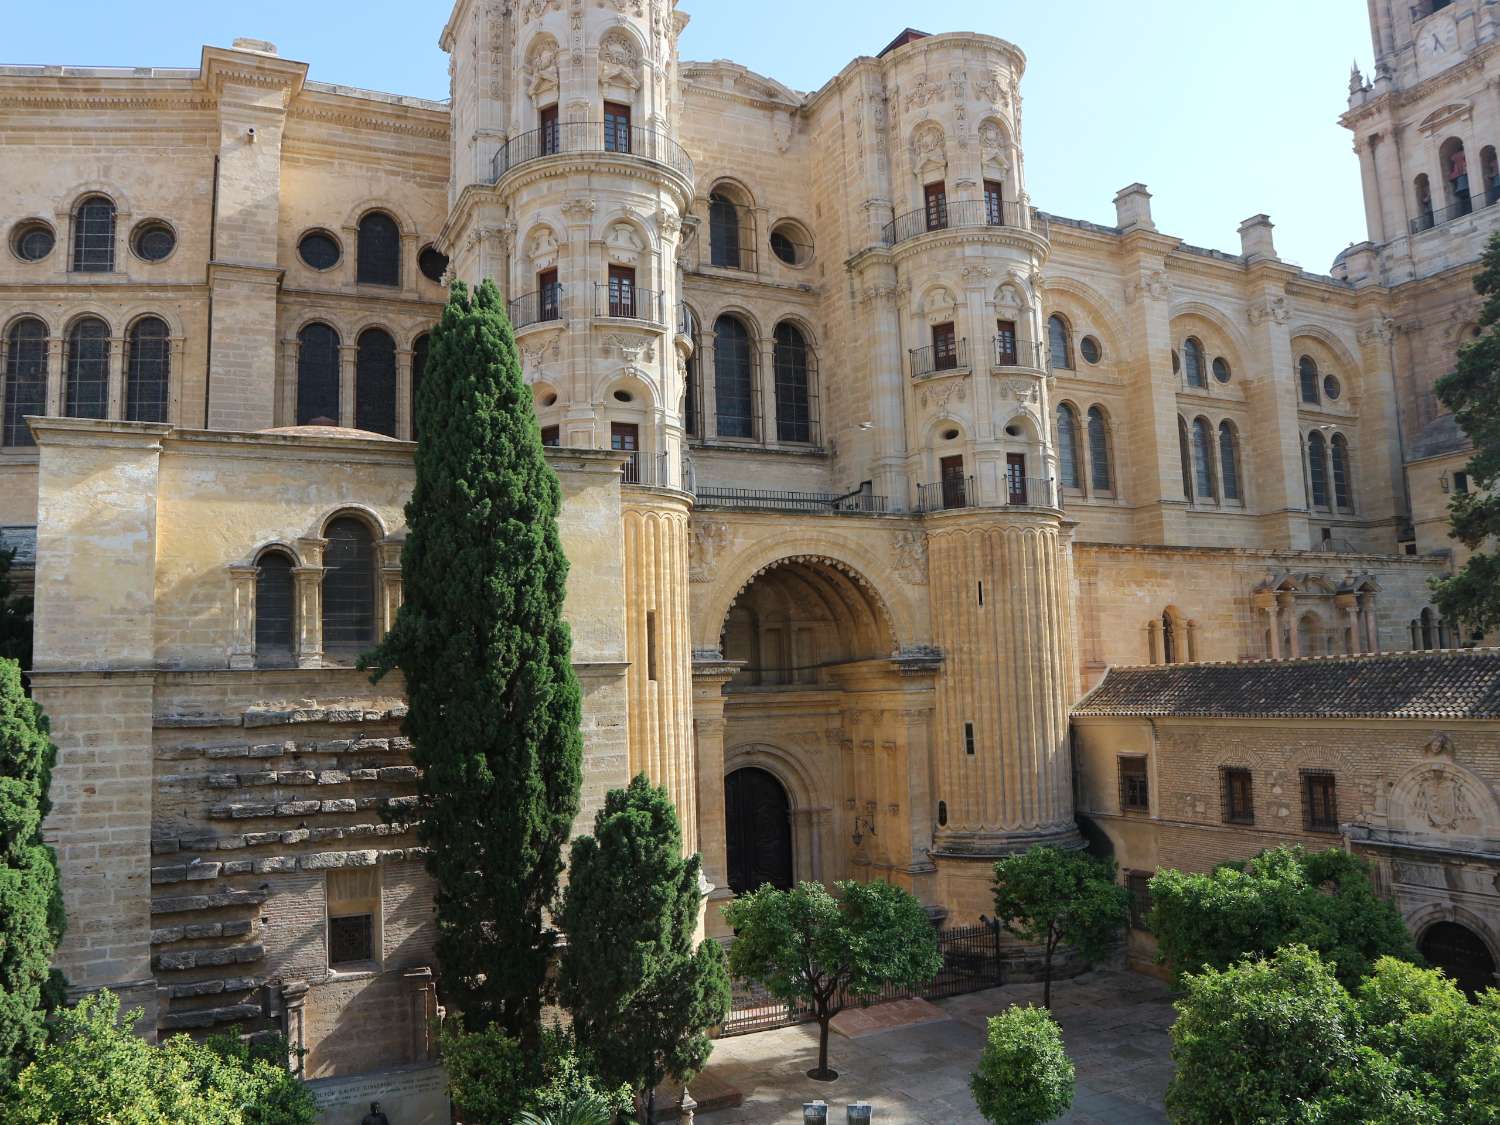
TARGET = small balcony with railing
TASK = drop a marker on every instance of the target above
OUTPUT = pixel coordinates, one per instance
(1010, 350)
(963, 214)
(562, 138)
(617, 302)
(541, 307)
(861, 502)
(1465, 204)
(942, 358)
(955, 492)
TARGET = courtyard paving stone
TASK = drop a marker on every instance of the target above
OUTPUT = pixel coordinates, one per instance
(1114, 1024)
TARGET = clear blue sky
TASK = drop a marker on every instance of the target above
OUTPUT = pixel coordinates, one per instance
(1224, 108)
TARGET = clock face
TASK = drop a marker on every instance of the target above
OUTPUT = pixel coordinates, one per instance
(1437, 44)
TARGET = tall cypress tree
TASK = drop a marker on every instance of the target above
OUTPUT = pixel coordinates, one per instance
(31, 909)
(1471, 598)
(494, 703)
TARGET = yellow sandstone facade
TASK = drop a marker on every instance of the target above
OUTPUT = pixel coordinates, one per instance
(873, 466)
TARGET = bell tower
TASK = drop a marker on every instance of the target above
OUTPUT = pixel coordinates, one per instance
(569, 191)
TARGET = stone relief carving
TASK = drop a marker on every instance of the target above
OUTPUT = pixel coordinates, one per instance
(1274, 309)
(1440, 745)
(623, 244)
(1442, 799)
(1022, 391)
(535, 9)
(619, 61)
(992, 144)
(543, 249)
(633, 7)
(541, 66)
(992, 89)
(923, 94)
(631, 349)
(910, 551)
(1378, 332)
(708, 540)
(1151, 283)
(928, 146)
(580, 207)
(939, 397)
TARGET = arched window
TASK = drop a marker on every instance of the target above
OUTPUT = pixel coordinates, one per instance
(1311, 639)
(724, 241)
(1229, 461)
(318, 376)
(1489, 169)
(793, 385)
(1185, 455)
(1192, 363)
(379, 250)
(94, 235)
(348, 585)
(419, 353)
(1069, 455)
(1203, 459)
(1428, 631)
(86, 370)
(1454, 164)
(1425, 219)
(274, 615)
(1343, 493)
(1100, 475)
(25, 378)
(1307, 375)
(148, 370)
(1059, 343)
(734, 379)
(375, 383)
(1317, 469)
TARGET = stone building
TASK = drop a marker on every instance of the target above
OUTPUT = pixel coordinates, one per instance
(873, 466)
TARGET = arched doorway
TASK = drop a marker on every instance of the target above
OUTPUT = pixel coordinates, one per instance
(1461, 953)
(758, 820)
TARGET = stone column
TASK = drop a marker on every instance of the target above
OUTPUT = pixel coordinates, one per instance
(1371, 622)
(1286, 612)
(392, 591)
(1348, 606)
(765, 391)
(403, 394)
(879, 302)
(309, 593)
(294, 1023)
(290, 350)
(54, 396)
(1265, 605)
(1273, 442)
(709, 678)
(242, 639)
(115, 392)
(348, 388)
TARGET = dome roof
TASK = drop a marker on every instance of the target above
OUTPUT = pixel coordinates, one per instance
(320, 431)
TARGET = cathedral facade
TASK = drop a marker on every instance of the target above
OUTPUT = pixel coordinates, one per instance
(873, 467)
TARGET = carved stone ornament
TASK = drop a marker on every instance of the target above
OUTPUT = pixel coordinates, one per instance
(708, 540)
(1378, 332)
(619, 61)
(991, 89)
(1151, 283)
(910, 551)
(1274, 309)
(923, 94)
(1440, 745)
(535, 9)
(1443, 801)
(543, 249)
(1022, 391)
(631, 349)
(992, 144)
(580, 207)
(541, 66)
(928, 147)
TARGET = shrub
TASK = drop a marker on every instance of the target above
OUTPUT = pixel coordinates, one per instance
(493, 1078)
(1024, 1075)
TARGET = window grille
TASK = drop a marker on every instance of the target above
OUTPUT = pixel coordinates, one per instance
(1135, 790)
(1069, 456)
(1341, 490)
(375, 383)
(1229, 457)
(1320, 806)
(318, 354)
(1099, 469)
(1307, 373)
(723, 232)
(1138, 883)
(1317, 469)
(1203, 458)
(1060, 343)
(379, 250)
(793, 385)
(419, 352)
(1239, 797)
(87, 370)
(1192, 362)
(349, 586)
(25, 379)
(94, 237)
(734, 381)
(351, 939)
(148, 371)
(274, 600)
(969, 739)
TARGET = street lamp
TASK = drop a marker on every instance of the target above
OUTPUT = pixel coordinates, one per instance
(868, 822)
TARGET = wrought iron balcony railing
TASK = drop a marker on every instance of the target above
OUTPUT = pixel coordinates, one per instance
(1466, 205)
(1011, 351)
(565, 137)
(627, 303)
(931, 360)
(772, 500)
(954, 492)
(545, 304)
(958, 214)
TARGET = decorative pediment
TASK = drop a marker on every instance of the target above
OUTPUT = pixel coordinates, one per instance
(929, 149)
(619, 61)
(541, 68)
(1446, 115)
(623, 244)
(542, 248)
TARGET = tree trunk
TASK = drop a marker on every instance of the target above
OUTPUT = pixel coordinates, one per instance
(651, 1106)
(1047, 977)
(823, 1045)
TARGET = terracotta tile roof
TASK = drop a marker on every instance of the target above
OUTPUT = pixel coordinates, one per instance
(1462, 684)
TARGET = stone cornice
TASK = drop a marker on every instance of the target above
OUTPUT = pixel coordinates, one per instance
(591, 165)
(359, 113)
(98, 434)
(177, 99)
(221, 69)
(1394, 100)
(1013, 237)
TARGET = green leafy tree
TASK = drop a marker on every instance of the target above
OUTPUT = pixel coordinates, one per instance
(805, 945)
(31, 909)
(585, 1111)
(1025, 1076)
(15, 616)
(486, 654)
(1280, 1040)
(95, 1068)
(491, 1077)
(641, 990)
(1049, 897)
(1284, 896)
(1472, 393)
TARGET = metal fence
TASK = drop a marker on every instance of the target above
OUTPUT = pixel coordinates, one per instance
(776, 500)
(971, 962)
(564, 137)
